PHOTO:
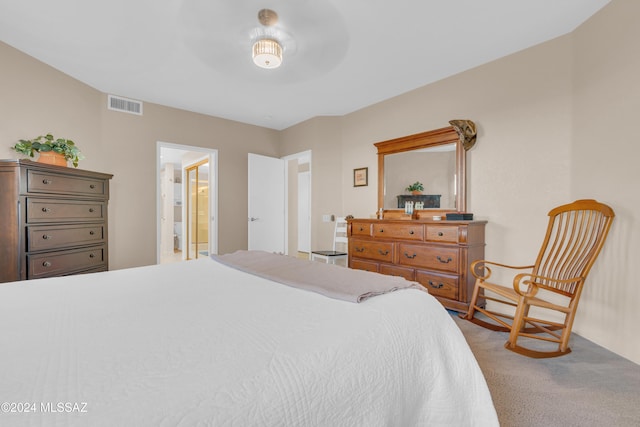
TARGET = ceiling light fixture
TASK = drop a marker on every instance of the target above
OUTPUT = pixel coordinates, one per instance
(267, 53)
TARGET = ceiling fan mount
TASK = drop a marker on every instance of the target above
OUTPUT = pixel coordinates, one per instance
(267, 17)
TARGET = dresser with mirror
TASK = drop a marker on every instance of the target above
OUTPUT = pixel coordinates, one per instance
(423, 245)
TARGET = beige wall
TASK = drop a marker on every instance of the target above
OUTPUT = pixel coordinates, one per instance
(322, 136)
(134, 181)
(555, 123)
(604, 165)
(37, 99)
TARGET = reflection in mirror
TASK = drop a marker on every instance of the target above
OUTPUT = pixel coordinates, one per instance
(434, 167)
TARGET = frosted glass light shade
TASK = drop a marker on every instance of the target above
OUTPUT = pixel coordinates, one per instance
(267, 53)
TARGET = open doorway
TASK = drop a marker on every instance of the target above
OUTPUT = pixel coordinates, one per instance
(298, 195)
(187, 226)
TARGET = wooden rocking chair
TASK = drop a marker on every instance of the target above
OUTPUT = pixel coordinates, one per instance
(575, 235)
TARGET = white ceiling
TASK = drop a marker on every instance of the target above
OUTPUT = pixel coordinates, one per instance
(340, 55)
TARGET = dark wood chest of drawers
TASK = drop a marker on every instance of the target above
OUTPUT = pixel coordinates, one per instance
(53, 220)
(436, 254)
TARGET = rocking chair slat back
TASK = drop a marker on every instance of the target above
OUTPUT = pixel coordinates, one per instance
(575, 235)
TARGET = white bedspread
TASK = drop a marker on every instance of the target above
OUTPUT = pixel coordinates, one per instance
(199, 343)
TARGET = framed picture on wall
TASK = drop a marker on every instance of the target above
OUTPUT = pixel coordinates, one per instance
(360, 177)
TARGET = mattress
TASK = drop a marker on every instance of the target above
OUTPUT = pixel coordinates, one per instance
(200, 343)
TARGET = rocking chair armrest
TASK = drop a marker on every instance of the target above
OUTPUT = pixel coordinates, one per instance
(532, 285)
(480, 266)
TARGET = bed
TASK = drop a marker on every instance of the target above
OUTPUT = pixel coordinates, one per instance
(206, 343)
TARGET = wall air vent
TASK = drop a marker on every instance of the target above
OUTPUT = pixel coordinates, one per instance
(118, 103)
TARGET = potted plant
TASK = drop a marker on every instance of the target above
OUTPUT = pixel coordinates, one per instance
(52, 150)
(416, 188)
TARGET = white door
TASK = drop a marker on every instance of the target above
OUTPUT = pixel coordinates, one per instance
(266, 204)
(304, 232)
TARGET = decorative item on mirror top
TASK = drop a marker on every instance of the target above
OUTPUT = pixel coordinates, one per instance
(54, 151)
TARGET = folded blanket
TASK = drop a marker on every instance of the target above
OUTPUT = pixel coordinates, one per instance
(326, 279)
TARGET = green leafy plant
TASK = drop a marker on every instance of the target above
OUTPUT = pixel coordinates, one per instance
(416, 186)
(47, 142)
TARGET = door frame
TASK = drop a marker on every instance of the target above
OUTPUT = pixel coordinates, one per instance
(301, 155)
(187, 213)
(213, 192)
(304, 177)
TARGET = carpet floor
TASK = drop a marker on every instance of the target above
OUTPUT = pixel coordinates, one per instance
(591, 386)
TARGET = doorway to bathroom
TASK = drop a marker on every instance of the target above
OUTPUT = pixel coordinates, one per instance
(187, 202)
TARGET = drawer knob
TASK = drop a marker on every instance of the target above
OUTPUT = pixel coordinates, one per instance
(91, 232)
(381, 252)
(46, 210)
(357, 249)
(440, 233)
(447, 261)
(92, 186)
(46, 264)
(92, 255)
(410, 231)
(410, 256)
(90, 209)
(45, 237)
(361, 228)
(46, 181)
(434, 286)
(382, 230)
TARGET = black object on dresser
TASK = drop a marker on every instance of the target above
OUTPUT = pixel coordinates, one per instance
(53, 220)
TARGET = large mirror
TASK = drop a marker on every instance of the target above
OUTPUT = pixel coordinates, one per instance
(436, 159)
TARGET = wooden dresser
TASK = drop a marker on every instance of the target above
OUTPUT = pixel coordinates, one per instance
(53, 220)
(437, 254)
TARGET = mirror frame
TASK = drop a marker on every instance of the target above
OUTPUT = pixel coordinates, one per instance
(461, 132)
